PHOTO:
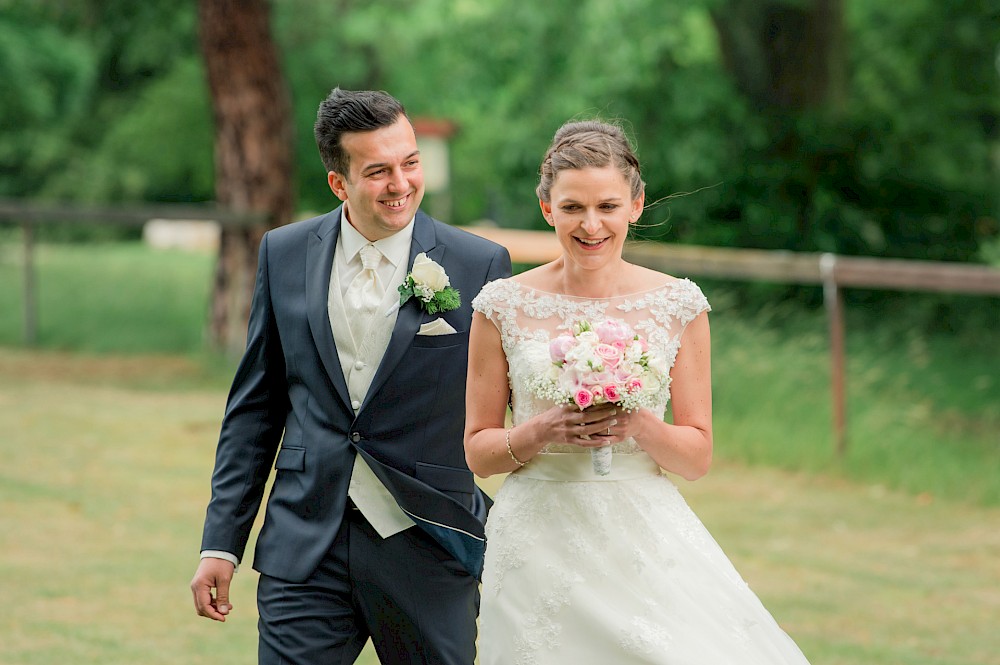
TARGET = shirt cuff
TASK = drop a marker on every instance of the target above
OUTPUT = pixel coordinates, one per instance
(219, 554)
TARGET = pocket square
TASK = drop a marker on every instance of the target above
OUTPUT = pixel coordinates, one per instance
(436, 327)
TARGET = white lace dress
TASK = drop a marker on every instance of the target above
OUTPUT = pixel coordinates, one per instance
(606, 569)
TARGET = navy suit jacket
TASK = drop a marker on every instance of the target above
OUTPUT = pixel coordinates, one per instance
(289, 390)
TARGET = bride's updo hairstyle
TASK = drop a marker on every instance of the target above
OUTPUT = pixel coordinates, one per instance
(586, 144)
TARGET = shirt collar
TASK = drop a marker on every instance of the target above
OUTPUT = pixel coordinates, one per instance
(395, 248)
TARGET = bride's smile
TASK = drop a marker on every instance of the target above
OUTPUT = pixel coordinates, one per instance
(591, 210)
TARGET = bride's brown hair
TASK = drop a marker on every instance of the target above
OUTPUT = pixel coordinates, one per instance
(585, 144)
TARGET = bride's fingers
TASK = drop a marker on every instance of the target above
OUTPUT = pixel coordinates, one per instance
(604, 427)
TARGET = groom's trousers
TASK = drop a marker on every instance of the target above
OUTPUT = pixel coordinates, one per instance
(416, 603)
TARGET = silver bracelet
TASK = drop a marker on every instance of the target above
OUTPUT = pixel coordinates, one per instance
(511, 452)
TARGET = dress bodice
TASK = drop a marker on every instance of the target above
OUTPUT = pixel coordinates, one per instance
(528, 319)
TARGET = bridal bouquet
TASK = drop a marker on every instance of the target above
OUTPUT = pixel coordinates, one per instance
(600, 364)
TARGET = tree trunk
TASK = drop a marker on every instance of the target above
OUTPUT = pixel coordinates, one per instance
(788, 58)
(253, 148)
(784, 55)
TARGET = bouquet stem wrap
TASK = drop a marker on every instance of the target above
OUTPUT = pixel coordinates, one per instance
(601, 459)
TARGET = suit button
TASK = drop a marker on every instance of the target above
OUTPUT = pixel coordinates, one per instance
(359, 365)
(355, 437)
(355, 405)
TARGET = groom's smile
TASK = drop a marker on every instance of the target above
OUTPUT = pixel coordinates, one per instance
(386, 181)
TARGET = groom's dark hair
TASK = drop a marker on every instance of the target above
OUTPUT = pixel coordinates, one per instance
(351, 111)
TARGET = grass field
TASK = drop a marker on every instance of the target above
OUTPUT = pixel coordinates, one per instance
(105, 482)
(887, 556)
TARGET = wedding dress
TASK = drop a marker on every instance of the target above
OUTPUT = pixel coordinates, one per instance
(609, 569)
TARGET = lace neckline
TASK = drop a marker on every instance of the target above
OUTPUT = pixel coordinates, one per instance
(635, 294)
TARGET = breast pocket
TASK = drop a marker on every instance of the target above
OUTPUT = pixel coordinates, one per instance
(440, 341)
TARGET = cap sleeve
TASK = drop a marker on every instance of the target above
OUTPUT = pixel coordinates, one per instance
(494, 302)
(690, 301)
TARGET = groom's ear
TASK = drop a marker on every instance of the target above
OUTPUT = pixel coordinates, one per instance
(338, 184)
(546, 211)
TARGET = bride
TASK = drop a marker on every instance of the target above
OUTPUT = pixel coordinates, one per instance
(587, 564)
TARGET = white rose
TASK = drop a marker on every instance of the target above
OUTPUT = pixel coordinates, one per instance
(633, 353)
(429, 274)
(658, 364)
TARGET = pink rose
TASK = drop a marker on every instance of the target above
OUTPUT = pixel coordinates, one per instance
(611, 393)
(614, 330)
(583, 398)
(560, 346)
(608, 355)
(634, 386)
(597, 392)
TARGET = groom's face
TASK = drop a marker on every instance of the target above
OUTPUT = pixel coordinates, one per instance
(385, 183)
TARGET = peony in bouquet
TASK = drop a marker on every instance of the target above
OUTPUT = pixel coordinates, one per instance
(600, 364)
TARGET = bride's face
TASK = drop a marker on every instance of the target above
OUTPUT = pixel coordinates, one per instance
(591, 210)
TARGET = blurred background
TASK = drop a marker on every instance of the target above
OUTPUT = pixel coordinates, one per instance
(859, 128)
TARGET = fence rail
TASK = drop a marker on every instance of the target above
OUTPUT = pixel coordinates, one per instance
(29, 215)
(37, 214)
(831, 271)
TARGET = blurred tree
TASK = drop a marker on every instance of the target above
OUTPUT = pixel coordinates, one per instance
(46, 83)
(253, 147)
(783, 54)
(858, 127)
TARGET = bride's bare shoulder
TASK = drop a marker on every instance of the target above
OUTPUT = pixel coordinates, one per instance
(646, 279)
(540, 278)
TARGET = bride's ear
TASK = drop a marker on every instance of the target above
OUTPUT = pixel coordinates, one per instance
(637, 208)
(546, 211)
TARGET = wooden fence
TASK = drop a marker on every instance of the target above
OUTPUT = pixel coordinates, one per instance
(831, 271)
(30, 215)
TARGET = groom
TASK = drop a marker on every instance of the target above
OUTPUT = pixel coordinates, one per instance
(374, 525)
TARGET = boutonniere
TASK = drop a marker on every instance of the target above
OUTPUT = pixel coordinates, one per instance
(429, 283)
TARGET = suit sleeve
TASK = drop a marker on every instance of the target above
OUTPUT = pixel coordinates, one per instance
(500, 266)
(251, 428)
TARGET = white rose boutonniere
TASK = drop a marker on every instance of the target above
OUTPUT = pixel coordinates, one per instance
(429, 283)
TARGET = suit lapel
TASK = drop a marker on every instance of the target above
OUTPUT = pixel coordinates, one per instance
(410, 315)
(319, 266)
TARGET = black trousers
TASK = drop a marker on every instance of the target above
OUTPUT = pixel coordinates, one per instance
(416, 603)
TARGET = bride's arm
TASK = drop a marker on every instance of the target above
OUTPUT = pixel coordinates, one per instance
(684, 447)
(487, 393)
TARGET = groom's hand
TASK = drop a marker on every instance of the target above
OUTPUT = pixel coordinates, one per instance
(212, 574)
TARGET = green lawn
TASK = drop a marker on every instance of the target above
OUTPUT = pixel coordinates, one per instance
(106, 477)
(108, 434)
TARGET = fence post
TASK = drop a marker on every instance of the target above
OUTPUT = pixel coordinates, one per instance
(833, 300)
(30, 294)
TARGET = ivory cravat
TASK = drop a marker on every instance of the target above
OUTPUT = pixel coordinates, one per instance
(364, 292)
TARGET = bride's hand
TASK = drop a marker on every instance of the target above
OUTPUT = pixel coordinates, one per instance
(593, 428)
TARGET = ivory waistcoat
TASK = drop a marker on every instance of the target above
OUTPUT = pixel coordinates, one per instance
(358, 360)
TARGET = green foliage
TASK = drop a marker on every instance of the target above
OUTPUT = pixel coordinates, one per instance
(899, 164)
(46, 81)
(444, 300)
(102, 102)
